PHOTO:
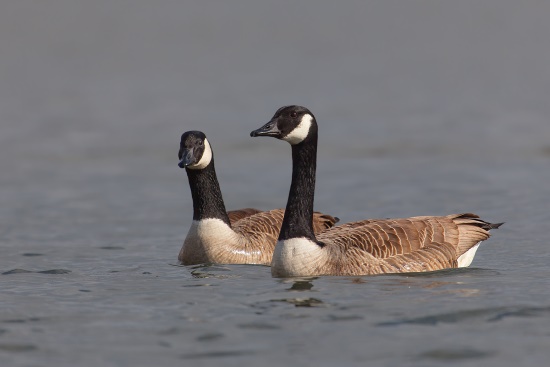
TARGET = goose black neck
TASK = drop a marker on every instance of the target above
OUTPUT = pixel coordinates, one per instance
(206, 194)
(298, 219)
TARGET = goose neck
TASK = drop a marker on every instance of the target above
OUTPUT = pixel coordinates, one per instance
(298, 218)
(206, 194)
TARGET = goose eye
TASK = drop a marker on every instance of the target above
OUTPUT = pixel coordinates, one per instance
(200, 142)
(293, 115)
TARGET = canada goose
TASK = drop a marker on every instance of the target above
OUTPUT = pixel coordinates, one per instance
(365, 247)
(245, 236)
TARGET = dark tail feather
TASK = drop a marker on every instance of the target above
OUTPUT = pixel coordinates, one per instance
(488, 226)
(480, 222)
(492, 225)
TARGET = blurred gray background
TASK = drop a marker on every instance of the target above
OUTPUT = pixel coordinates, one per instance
(82, 77)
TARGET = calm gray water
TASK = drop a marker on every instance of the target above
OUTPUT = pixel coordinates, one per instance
(425, 108)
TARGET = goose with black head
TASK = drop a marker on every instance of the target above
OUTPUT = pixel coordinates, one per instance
(244, 236)
(373, 246)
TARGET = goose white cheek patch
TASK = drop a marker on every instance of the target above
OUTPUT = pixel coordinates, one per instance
(300, 132)
(205, 159)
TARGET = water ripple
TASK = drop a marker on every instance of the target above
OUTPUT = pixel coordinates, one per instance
(17, 347)
(447, 272)
(301, 302)
(484, 314)
(16, 271)
(209, 337)
(259, 326)
(451, 355)
(22, 321)
(218, 354)
(22, 271)
(54, 271)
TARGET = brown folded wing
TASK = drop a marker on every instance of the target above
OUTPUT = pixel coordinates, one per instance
(236, 215)
(402, 245)
(274, 218)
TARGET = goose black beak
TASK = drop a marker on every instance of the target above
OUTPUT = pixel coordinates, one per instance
(269, 129)
(186, 158)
